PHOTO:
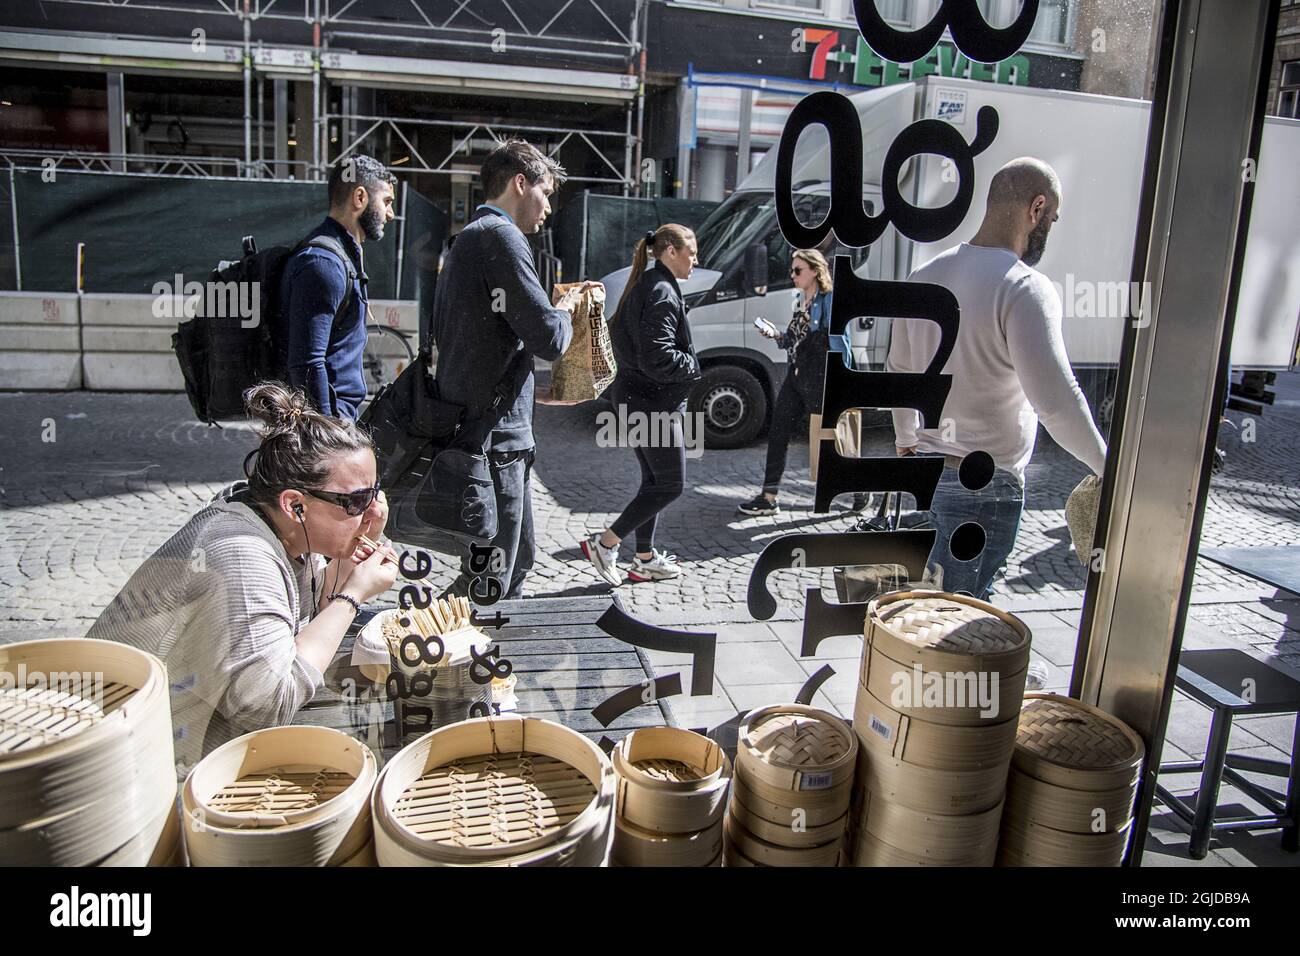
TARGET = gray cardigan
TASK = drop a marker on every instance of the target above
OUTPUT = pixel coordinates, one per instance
(489, 308)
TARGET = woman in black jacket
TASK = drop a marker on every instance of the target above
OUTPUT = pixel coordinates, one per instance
(657, 366)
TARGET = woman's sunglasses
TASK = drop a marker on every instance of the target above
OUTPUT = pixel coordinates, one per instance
(353, 502)
(797, 271)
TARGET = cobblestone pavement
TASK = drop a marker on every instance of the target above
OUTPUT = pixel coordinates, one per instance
(92, 483)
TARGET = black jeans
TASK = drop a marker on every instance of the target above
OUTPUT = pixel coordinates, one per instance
(791, 413)
(515, 544)
(663, 477)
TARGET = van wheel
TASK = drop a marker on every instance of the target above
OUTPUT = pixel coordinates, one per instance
(733, 404)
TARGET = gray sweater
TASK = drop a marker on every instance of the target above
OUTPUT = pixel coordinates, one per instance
(220, 603)
(488, 308)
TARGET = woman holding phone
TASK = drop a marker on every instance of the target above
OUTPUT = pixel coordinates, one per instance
(806, 341)
(248, 602)
(657, 366)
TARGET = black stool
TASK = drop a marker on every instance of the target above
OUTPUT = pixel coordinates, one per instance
(1232, 683)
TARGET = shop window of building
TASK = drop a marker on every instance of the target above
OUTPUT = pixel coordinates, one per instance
(1288, 97)
(807, 6)
(1052, 25)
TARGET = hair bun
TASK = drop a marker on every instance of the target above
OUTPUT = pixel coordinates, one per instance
(276, 406)
(650, 238)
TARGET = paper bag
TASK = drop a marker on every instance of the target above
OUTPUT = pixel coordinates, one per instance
(587, 367)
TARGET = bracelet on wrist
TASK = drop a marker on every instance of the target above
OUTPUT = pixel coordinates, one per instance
(340, 596)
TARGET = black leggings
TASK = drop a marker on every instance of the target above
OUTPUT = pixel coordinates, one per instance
(791, 412)
(663, 476)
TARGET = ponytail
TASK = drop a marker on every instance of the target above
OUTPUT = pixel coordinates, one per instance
(653, 243)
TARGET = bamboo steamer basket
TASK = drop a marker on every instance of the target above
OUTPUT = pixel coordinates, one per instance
(798, 753)
(496, 791)
(785, 834)
(634, 846)
(1071, 811)
(1034, 845)
(778, 806)
(363, 857)
(284, 796)
(945, 792)
(940, 634)
(670, 780)
(889, 733)
(933, 839)
(1074, 745)
(871, 852)
(82, 775)
(747, 845)
(158, 844)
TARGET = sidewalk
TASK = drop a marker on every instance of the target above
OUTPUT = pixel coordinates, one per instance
(123, 471)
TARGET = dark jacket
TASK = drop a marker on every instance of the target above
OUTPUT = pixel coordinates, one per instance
(652, 342)
(323, 352)
(489, 311)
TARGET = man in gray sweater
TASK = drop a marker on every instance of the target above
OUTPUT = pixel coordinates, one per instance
(491, 316)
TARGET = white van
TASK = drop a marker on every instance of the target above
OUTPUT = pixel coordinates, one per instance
(1095, 143)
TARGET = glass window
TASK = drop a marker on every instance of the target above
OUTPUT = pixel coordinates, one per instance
(1288, 98)
(813, 5)
(894, 10)
(1053, 23)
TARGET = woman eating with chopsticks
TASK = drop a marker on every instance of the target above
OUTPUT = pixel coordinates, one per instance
(248, 602)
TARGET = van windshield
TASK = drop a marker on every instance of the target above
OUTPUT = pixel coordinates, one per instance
(741, 220)
(749, 217)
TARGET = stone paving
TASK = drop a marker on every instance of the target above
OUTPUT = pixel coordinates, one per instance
(92, 483)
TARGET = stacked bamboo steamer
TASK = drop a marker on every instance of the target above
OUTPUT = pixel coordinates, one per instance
(1071, 788)
(496, 791)
(87, 767)
(671, 794)
(794, 780)
(285, 796)
(933, 763)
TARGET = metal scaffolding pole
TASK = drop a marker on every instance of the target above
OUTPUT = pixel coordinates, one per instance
(248, 90)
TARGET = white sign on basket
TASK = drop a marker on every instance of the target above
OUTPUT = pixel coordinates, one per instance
(881, 728)
(951, 106)
(815, 781)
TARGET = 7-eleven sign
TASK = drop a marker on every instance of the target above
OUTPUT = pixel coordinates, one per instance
(825, 50)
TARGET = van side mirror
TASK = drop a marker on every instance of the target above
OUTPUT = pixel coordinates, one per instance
(756, 276)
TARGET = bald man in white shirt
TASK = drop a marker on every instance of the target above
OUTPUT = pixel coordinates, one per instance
(1009, 371)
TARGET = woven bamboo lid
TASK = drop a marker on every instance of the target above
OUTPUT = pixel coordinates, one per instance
(946, 632)
(494, 791)
(1072, 744)
(794, 747)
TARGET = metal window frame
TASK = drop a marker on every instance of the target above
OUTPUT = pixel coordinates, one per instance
(1207, 117)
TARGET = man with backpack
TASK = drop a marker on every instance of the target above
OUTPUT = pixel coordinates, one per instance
(491, 316)
(321, 321)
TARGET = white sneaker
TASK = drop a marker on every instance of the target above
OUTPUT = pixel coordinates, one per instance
(1036, 677)
(659, 567)
(605, 560)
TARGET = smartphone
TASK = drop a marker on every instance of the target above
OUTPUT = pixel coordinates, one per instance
(765, 326)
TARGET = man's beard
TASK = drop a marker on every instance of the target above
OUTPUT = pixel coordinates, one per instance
(372, 222)
(1037, 243)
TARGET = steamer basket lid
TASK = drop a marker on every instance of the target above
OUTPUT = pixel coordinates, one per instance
(1058, 732)
(800, 740)
(946, 625)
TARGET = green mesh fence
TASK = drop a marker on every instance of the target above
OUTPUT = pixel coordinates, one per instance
(613, 226)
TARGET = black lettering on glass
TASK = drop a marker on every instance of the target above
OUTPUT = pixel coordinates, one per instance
(971, 33)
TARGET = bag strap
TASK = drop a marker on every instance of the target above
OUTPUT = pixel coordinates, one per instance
(474, 433)
(330, 244)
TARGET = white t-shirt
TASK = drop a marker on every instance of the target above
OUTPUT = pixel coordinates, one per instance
(1008, 368)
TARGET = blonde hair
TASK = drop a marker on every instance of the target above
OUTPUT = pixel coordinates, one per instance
(820, 267)
(654, 243)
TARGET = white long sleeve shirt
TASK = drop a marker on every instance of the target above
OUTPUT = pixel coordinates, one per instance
(1009, 368)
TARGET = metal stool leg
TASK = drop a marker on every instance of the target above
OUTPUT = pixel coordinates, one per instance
(1291, 833)
(1207, 797)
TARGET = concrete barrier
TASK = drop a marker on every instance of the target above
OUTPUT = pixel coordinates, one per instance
(46, 341)
(39, 341)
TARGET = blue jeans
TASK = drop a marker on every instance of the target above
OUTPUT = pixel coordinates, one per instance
(996, 508)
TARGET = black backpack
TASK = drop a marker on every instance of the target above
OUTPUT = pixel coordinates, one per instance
(222, 353)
